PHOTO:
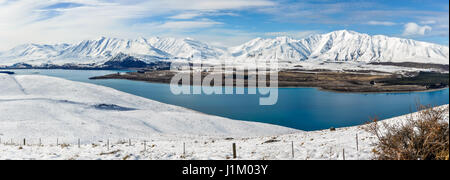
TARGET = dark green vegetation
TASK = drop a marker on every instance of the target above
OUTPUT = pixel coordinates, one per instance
(431, 80)
(333, 81)
(441, 67)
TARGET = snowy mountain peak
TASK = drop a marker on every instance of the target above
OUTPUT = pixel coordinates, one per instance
(101, 38)
(185, 48)
(344, 32)
(142, 40)
(284, 39)
(343, 45)
(108, 47)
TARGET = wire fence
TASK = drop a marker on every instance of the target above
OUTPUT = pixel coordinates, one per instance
(233, 150)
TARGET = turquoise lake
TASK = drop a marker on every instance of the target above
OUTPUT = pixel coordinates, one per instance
(300, 108)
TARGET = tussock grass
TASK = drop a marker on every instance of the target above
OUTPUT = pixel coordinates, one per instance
(424, 137)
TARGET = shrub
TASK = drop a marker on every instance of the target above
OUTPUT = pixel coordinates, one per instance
(423, 136)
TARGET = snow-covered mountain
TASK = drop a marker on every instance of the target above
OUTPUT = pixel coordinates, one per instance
(104, 49)
(281, 48)
(343, 46)
(124, 61)
(335, 46)
(31, 52)
(186, 48)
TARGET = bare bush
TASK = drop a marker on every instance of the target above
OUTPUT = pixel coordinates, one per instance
(423, 136)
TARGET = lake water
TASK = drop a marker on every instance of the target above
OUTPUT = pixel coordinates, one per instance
(300, 108)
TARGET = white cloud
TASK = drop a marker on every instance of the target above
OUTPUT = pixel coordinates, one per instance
(187, 24)
(428, 22)
(185, 16)
(25, 21)
(439, 23)
(413, 29)
(208, 4)
(293, 34)
(381, 23)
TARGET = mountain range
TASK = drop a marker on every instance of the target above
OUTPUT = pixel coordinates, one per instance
(342, 46)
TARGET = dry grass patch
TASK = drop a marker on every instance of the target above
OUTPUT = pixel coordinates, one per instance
(421, 137)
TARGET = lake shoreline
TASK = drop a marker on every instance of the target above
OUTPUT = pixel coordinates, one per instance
(341, 82)
(306, 102)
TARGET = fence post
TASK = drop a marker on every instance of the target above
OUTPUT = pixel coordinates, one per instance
(57, 141)
(78, 142)
(293, 155)
(40, 142)
(184, 149)
(234, 151)
(145, 145)
(343, 154)
(357, 144)
(24, 142)
(129, 142)
(107, 144)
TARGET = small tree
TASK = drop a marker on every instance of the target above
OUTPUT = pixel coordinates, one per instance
(421, 137)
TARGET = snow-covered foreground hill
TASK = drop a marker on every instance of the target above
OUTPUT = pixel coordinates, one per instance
(52, 114)
(317, 145)
(34, 106)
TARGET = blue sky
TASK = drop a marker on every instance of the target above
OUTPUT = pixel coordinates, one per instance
(226, 23)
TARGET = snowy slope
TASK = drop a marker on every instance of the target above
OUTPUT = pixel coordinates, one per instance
(47, 107)
(48, 110)
(31, 53)
(281, 48)
(101, 50)
(105, 48)
(343, 46)
(316, 145)
(185, 48)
